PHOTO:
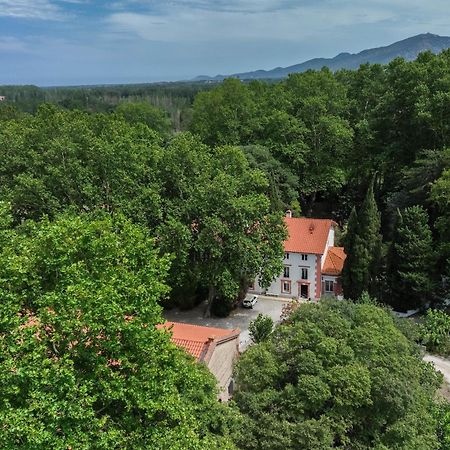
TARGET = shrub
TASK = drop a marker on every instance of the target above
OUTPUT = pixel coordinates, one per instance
(435, 331)
(260, 328)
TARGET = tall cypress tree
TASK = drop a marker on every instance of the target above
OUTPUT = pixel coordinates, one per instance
(369, 232)
(411, 260)
(350, 275)
(363, 248)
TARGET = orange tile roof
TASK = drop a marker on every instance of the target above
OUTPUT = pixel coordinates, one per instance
(307, 235)
(334, 261)
(196, 339)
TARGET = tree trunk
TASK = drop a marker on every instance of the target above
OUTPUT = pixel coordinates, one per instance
(311, 203)
(209, 301)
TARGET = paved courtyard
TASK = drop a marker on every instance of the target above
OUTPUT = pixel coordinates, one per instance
(239, 318)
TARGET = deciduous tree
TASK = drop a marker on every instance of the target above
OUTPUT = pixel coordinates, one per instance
(82, 364)
(336, 375)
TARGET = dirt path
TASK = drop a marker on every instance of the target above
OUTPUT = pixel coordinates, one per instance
(441, 365)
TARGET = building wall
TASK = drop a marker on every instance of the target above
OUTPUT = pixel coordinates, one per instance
(337, 292)
(295, 264)
(221, 365)
(330, 243)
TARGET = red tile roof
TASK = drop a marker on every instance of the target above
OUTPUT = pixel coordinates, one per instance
(196, 339)
(307, 235)
(334, 261)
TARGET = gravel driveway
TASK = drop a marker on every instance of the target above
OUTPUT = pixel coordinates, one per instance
(239, 318)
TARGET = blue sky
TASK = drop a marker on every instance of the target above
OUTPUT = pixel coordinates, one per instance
(65, 42)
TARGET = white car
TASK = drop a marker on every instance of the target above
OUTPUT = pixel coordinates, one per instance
(250, 302)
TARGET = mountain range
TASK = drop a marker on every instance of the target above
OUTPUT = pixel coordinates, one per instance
(408, 48)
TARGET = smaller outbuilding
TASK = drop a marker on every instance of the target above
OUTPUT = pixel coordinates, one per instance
(217, 348)
(332, 270)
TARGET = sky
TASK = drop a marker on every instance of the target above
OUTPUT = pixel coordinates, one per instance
(74, 42)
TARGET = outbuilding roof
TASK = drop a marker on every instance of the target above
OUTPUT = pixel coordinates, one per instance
(334, 261)
(198, 340)
(307, 235)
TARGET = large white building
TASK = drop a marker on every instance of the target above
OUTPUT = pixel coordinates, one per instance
(312, 265)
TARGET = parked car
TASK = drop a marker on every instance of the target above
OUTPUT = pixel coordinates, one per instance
(249, 302)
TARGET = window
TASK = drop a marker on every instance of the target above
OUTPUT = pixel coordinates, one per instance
(329, 286)
(286, 272)
(286, 256)
(286, 287)
(304, 273)
(304, 257)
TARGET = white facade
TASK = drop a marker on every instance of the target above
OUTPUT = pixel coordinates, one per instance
(298, 278)
(330, 243)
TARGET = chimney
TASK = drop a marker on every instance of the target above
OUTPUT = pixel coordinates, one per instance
(289, 213)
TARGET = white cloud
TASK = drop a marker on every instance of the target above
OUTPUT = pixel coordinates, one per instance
(30, 9)
(182, 23)
(282, 20)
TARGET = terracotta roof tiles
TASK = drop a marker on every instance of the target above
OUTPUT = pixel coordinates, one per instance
(196, 339)
(334, 261)
(307, 235)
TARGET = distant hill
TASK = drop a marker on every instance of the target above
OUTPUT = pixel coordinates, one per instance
(408, 49)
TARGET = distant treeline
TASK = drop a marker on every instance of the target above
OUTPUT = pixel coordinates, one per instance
(174, 98)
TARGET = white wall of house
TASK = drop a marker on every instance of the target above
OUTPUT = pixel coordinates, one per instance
(294, 262)
(330, 243)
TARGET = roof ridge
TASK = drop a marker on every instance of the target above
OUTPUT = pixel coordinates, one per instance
(200, 326)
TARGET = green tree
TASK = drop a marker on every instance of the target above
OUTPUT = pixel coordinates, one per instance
(319, 103)
(435, 331)
(58, 159)
(352, 273)
(336, 375)
(363, 247)
(145, 113)
(283, 182)
(261, 328)
(442, 414)
(224, 115)
(411, 260)
(218, 221)
(82, 364)
(440, 195)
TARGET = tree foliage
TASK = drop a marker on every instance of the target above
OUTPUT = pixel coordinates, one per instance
(261, 328)
(207, 206)
(218, 221)
(81, 362)
(145, 113)
(435, 331)
(57, 160)
(337, 375)
(411, 260)
(363, 247)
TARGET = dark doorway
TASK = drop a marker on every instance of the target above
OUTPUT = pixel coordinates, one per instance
(304, 291)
